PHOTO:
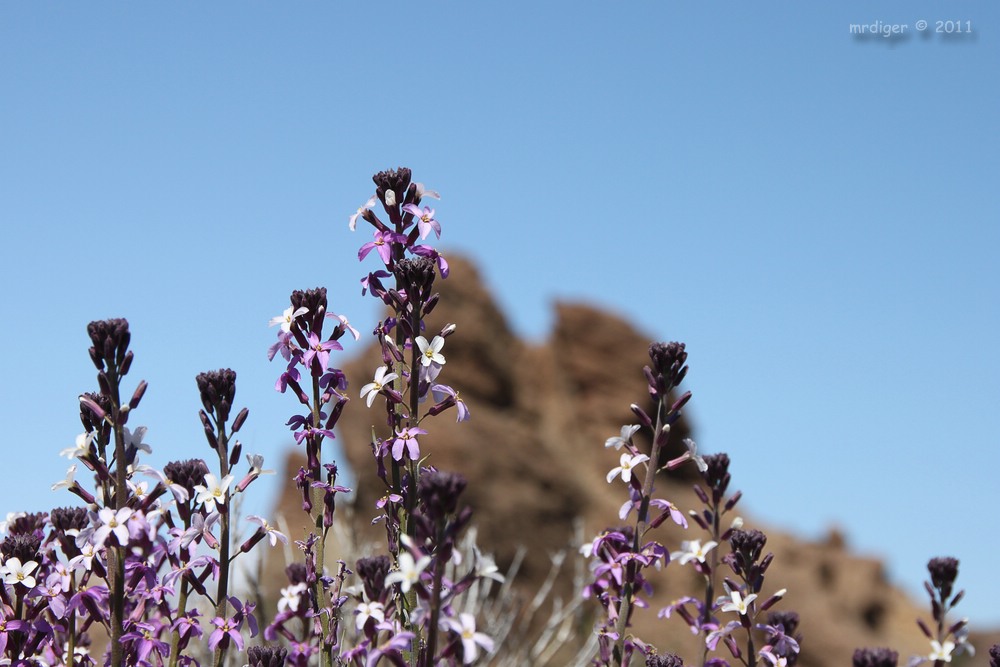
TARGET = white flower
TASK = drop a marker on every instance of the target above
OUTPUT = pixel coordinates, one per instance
(390, 198)
(739, 603)
(286, 318)
(620, 440)
(85, 560)
(941, 651)
(693, 550)
(471, 640)
(430, 352)
(15, 573)
(368, 205)
(290, 596)
(256, 462)
(424, 192)
(625, 469)
(82, 447)
(373, 388)
(214, 491)
(68, 482)
(693, 453)
(408, 572)
(134, 439)
(180, 493)
(112, 522)
(368, 610)
(272, 533)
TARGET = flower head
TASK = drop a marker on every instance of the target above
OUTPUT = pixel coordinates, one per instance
(16, 573)
(430, 353)
(408, 572)
(287, 317)
(367, 206)
(373, 388)
(628, 462)
(213, 491)
(471, 640)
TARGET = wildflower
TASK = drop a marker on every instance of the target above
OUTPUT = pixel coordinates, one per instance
(424, 192)
(346, 324)
(425, 220)
(266, 656)
(471, 640)
(373, 388)
(269, 531)
(16, 573)
(446, 397)
(430, 353)
(82, 447)
(408, 572)
(367, 206)
(286, 318)
(382, 245)
(112, 522)
(366, 611)
(290, 597)
(407, 438)
(319, 351)
(624, 438)
(628, 462)
(84, 561)
(143, 636)
(134, 439)
(68, 482)
(213, 491)
(225, 629)
(693, 550)
(282, 345)
(690, 455)
(739, 603)
(941, 651)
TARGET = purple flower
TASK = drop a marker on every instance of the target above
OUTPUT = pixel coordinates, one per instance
(427, 251)
(445, 395)
(407, 438)
(319, 351)
(144, 641)
(425, 220)
(226, 629)
(382, 245)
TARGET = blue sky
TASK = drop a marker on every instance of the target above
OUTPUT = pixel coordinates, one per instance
(815, 215)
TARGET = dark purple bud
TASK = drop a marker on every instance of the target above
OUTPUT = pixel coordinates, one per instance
(218, 389)
(681, 402)
(103, 383)
(372, 572)
(665, 660)
(958, 598)
(266, 656)
(234, 456)
(875, 657)
(188, 473)
(700, 492)
(923, 627)
(137, 395)
(97, 412)
(668, 364)
(252, 541)
(698, 520)
(995, 655)
(438, 492)
(240, 419)
(110, 339)
(717, 474)
(68, 518)
(416, 276)
(21, 546)
(641, 414)
(431, 303)
(731, 503)
(126, 364)
(747, 546)
(395, 180)
(943, 573)
(315, 301)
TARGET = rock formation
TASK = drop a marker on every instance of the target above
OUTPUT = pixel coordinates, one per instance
(534, 455)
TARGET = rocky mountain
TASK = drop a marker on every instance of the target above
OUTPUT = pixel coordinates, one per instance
(533, 453)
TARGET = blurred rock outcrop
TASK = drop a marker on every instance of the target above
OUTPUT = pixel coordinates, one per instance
(534, 455)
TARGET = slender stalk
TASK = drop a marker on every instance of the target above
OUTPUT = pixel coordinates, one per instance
(222, 596)
(642, 524)
(116, 555)
(317, 501)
